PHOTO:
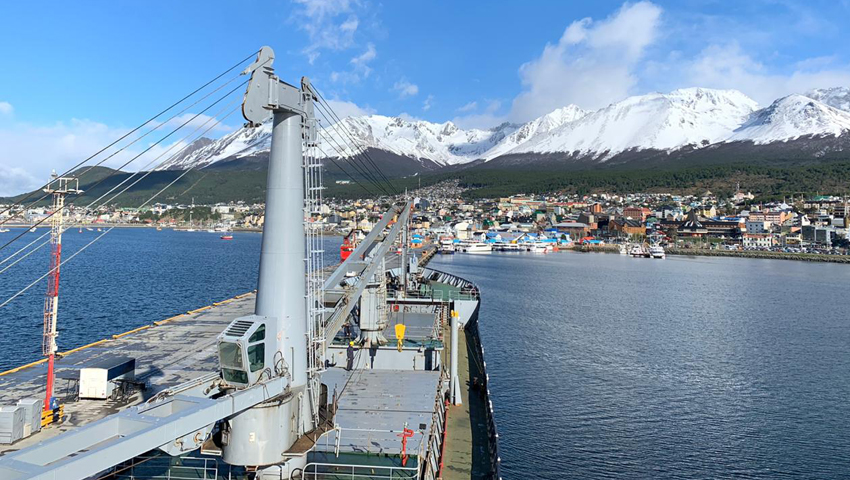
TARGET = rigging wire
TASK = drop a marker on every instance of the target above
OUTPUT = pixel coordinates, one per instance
(178, 102)
(148, 172)
(363, 173)
(368, 192)
(102, 161)
(361, 168)
(357, 147)
(86, 246)
(354, 156)
(324, 105)
(128, 162)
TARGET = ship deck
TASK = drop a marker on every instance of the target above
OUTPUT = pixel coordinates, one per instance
(168, 353)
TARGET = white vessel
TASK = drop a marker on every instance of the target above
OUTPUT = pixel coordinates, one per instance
(657, 252)
(637, 251)
(624, 249)
(538, 248)
(476, 247)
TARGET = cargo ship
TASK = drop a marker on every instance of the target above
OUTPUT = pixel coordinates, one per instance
(368, 369)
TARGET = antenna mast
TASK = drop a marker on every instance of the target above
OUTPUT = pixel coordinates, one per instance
(59, 187)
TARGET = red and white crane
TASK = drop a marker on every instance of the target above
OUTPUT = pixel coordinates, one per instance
(59, 187)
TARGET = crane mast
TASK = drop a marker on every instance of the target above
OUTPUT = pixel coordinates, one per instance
(58, 187)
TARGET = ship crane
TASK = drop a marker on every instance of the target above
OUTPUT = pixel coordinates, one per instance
(59, 188)
(265, 398)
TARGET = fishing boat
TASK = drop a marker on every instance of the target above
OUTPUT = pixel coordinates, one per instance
(227, 236)
(657, 251)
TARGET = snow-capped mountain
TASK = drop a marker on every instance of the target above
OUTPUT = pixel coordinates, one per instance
(442, 143)
(536, 127)
(691, 117)
(835, 97)
(790, 118)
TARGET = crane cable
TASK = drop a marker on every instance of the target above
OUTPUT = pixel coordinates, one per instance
(86, 246)
(148, 172)
(178, 102)
(356, 156)
(128, 162)
(363, 150)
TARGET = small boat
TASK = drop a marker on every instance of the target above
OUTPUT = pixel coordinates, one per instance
(624, 250)
(227, 236)
(99, 230)
(4, 230)
(89, 229)
(158, 229)
(190, 229)
(32, 229)
(476, 247)
(657, 252)
(446, 249)
(637, 251)
(210, 230)
(349, 243)
(538, 248)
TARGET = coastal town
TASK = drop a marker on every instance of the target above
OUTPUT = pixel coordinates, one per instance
(805, 224)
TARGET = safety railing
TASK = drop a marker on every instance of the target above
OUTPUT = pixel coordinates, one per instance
(337, 471)
(160, 467)
(492, 431)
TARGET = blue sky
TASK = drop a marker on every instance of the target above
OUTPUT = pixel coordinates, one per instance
(75, 75)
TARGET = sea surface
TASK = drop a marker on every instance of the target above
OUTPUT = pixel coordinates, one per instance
(129, 278)
(601, 366)
(605, 366)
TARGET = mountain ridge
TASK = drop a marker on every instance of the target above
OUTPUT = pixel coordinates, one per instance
(684, 118)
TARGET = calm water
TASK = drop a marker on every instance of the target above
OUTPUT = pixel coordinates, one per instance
(601, 366)
(604, 366)
(130, 278)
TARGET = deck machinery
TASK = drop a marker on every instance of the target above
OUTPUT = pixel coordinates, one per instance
(282, 405)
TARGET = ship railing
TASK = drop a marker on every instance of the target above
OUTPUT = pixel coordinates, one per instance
(339, 471)
(434, 451)
(492, 431)
(146, 467)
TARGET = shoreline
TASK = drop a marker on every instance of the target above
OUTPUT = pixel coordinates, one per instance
(800, 257)
(702, 252)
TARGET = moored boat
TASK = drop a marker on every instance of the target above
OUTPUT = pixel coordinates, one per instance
(657, 251)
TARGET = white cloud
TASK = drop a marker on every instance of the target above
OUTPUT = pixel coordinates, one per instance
(405, 89)
(344, 108)
(486, 119)
(322, 21)
(591, 65)
(426, 105)
(359, 67)
(728, 66)
(469, 107)
(30, 152)
(6, 108)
